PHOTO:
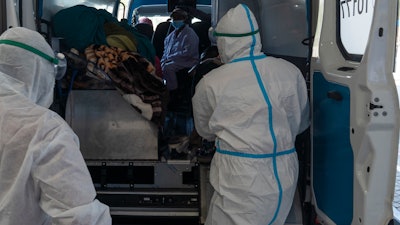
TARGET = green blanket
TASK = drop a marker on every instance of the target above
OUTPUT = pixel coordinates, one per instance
(80, 26)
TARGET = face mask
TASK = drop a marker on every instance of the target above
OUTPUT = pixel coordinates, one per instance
(177, 23)
(61, 68)
(59, 61)
(211, 36)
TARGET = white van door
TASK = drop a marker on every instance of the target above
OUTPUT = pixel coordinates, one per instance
(19, 13)
(355, 112)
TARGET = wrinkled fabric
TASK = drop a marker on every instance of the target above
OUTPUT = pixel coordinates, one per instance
(80, 26)
(133, 74)
(108, 58)
(27, 68)
(144, 46)
(130, 78)
(180, 51)
(44, 179)
(253, 107)
(117, 36)
(145, 109)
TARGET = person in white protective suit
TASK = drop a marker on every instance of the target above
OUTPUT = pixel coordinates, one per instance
(253, 106)
(43, 176)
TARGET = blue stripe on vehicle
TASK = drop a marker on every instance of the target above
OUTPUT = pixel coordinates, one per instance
(40, 9)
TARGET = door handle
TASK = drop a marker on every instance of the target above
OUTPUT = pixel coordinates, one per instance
(335, 95)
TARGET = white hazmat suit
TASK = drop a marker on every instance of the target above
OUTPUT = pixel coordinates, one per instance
(253, 107)
(43, 177)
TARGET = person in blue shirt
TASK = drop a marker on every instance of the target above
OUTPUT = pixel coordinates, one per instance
(180, 48)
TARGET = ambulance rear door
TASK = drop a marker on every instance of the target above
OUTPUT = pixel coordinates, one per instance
(355, 112)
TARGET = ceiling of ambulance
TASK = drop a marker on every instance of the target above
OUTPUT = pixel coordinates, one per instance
(137, 3)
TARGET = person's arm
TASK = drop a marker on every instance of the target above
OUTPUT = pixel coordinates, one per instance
(304, 104)
(164, 57)
(296, 104)
(63, 179)
(203, 107)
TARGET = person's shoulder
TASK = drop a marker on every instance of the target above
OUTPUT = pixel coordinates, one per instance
(215, 74)
(46, 118)
(190, 30)
(282, 64)
(170, 35)
(52, 125)
(279, 61)
(37, 122)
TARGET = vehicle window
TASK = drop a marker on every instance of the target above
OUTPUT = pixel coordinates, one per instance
(396, 71)
(355, 24)
(156, 19)
(159, 13)
(123, 9)
(291, 27)
(50, 8)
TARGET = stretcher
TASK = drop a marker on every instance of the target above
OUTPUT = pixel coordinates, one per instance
(120, 147)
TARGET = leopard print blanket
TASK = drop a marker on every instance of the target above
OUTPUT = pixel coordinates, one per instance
(131, 74)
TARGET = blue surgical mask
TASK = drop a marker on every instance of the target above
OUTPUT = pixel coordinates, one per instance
(177, 23)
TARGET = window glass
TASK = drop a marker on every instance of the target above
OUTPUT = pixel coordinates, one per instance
(50, 8)
(355, 24)
(123, 9)
(396, 69)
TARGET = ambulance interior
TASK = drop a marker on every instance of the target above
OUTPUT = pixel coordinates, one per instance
(136, 171)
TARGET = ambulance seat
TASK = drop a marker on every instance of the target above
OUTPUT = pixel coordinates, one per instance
(145, 29)
(201, 29)
(161, 32)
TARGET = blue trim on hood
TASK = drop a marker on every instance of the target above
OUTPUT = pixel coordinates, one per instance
(246, 58)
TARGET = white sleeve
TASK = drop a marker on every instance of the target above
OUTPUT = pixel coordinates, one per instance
(93, 213)
(63, 179)
(304, 104)
(202, 102)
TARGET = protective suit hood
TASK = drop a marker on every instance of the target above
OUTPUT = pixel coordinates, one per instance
(238, 37)
(26, 72)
